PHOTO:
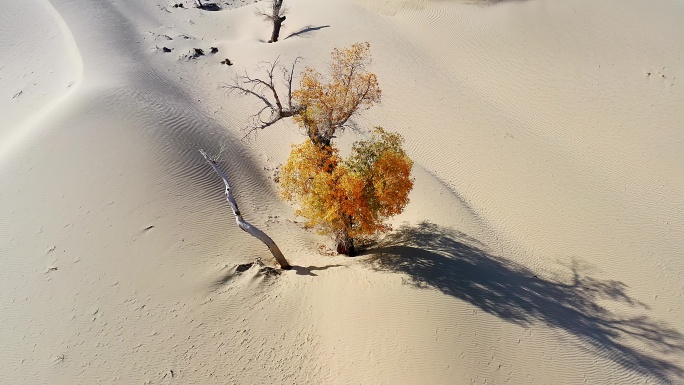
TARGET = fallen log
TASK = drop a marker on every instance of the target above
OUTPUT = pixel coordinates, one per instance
(244, 225)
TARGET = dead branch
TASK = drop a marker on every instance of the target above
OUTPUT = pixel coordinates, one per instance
(244, 225)
(267, 92)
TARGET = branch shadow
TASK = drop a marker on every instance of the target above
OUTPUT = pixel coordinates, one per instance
(308, 28)
(436, 257)
(231, 272)
(301, 270)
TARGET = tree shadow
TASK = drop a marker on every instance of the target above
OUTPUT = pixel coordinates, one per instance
(230, 272)
(436, 257)
(301, 270)
(308, 28)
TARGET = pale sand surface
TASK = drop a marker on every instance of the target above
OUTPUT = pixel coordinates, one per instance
(543, 243)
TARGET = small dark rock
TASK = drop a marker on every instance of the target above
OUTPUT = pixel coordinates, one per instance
(214, 49)
(179, 5)
(199, 52)
(208, 6)
(166, 49)
(227, 62)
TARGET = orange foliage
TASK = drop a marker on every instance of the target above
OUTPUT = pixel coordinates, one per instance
(327, 106)
(349, 199)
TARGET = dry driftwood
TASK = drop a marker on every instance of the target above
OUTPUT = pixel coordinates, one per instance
(244, 225)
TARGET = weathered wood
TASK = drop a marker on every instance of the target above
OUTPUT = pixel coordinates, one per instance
(276, 15)
(259, 88)
(277, 23)
(244, 225)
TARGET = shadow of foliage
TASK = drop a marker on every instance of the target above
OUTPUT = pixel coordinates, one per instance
(440, 258)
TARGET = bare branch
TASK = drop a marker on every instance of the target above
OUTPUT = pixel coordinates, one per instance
(240, 87)
(265, 90)
(288, 77)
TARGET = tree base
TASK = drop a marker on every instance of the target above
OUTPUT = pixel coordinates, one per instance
(346, 247)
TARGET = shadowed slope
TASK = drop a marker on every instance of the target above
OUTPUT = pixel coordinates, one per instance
(444, 259)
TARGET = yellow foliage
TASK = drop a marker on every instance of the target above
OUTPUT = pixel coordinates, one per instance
(327, 106)
(349, 199)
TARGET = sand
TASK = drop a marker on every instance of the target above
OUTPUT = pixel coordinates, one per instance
(542, 244)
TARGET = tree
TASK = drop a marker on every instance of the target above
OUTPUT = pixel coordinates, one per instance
(320, 107)
(276, 16)
(326, 107)
(349, 199)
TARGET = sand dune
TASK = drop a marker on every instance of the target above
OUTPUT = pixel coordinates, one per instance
(543, 242)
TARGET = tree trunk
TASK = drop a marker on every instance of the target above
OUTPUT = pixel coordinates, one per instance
(277, 23)
(345, 245)
(244, 225)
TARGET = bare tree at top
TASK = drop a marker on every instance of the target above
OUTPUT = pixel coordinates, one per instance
(275, 15)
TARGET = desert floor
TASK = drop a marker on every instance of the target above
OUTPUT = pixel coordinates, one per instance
(543, 244)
